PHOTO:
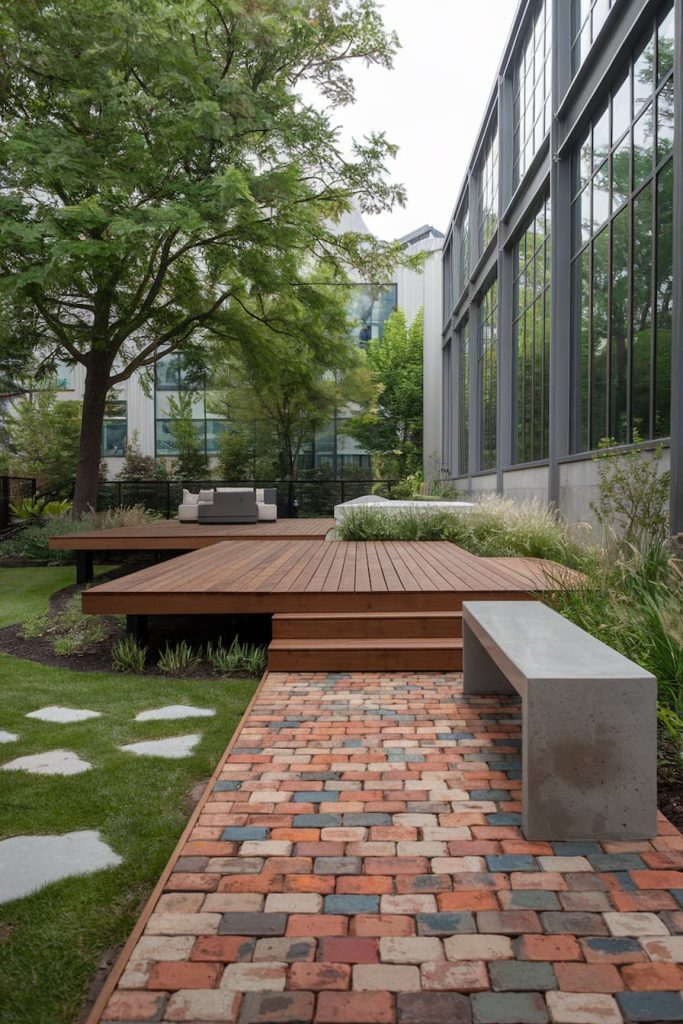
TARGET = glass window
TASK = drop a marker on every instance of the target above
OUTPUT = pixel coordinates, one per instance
(448, 410)
(531, 338)
(622, 254)
(531, 91)
(488, 195)
(488, 376)
(588, 17)
(114, 428)
(464, 400)
(65, 377)
(463, 228)
(369, 309)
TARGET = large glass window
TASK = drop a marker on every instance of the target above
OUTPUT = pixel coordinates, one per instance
(488, 376)
(531, 337)
(532, 91)
(463, 229)
(622, 253)
(369, 309)
(488, 194)
(447, 402)
(173, 378)
(588, 17)
(464, 400)
(114, 428)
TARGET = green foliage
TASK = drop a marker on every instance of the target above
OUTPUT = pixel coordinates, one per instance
(391, 426)
(137, 466)
(191, 462)
(633, 495)
(494, 526)
(32, 543)
(176, 660)
(39, 510)
(128, 656)
(69, 630)
(162, 173)
(43, 438)
(239, 657)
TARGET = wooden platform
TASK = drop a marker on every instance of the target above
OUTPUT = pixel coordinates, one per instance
(336, 605)
(170, 535)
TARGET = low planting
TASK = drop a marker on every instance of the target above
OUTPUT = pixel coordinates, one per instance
(127, 655)
(32, 542)
(494, 526)
(69, 630)
(239, 658)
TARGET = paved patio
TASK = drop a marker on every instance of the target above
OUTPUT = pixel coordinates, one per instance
(358, 860)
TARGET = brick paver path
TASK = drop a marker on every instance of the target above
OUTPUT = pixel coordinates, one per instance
(360, 859)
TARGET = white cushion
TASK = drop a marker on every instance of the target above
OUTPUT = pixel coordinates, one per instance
(260, 496)
(235, 490)
(205, 495)
(189, 498)
(188, 513)
(266, 513)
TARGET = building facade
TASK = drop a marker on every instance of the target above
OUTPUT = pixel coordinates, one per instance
(562, 265)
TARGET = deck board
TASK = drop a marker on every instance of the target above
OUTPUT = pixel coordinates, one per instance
(304, 575)
(170, 535)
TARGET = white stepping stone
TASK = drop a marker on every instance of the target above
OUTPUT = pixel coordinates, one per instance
(28, 863)
(8, 737)
(173, 711)
(174, 747)
(56, 713)
(52, 762)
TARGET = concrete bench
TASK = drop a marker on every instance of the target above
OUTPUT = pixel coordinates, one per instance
(589, 720)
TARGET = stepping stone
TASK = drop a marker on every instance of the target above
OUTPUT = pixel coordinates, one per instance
(174, 747)
(173, 711)
(8, 737)
(52, 762)
(55, 713)
(28, 863)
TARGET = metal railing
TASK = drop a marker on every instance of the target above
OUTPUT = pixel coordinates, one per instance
(312, 497)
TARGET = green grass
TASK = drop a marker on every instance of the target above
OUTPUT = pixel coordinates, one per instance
(26, 591)
(51, 941)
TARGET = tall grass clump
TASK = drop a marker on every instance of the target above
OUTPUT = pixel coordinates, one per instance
(494, 526)
(128, 656)
(32, 543)
(238, 657)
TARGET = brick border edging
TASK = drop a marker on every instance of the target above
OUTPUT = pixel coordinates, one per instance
(122, 960)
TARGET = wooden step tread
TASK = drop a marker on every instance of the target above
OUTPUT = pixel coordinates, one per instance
(329, 616)
(360, 644)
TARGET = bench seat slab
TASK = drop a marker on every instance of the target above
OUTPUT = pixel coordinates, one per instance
(589, 741)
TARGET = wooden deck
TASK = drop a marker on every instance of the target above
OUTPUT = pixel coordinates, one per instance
(336, 606)
(170, 535)
(314, 576)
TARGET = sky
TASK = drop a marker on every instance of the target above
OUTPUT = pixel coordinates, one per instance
(432, 103)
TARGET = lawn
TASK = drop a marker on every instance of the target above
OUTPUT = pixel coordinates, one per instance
(25, 592)
(52, 940)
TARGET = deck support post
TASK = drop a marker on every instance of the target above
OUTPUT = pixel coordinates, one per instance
(136, 626)
(84, 567)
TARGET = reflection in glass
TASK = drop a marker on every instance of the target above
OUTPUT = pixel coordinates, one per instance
(643, 136)
(665, 121)
(665, 46)
(488, 337)
(600, 197)
(619, 328)
(621, 173)
(641, 326)
(599, 364)
(663, 297)
(621, 109)
(464, 400)
(601, 138)
(643, 75)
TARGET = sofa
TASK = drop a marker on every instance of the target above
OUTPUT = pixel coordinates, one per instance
(229, 505)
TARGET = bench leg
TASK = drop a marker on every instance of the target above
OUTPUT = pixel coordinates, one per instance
(84, 567)
(480, 673)
(589, 760)
(136, 626)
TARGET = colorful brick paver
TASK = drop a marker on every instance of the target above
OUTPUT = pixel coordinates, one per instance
(360, 860)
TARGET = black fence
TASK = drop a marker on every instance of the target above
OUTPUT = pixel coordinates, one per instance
(300, 497)
(13, 488)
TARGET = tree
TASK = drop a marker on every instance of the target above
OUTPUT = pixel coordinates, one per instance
(159, 174)
(277, 389)
(137, 466)
(191, 462)
(43, 438)
(390, 427)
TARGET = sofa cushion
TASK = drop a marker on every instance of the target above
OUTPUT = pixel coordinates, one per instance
(206, 495)
(189, 498)
(266, 513)
(234, 490)
(188, 513)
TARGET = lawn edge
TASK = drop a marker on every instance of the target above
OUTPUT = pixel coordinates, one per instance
(117, 970)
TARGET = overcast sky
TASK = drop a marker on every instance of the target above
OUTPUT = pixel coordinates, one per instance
(432, 103)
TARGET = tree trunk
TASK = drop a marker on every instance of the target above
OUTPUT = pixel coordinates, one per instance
(94, 399)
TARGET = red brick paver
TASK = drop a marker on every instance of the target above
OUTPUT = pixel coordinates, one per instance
(360, 859)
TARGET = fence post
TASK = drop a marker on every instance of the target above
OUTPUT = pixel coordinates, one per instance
(342, 491)
(168, 499)
(119, 493)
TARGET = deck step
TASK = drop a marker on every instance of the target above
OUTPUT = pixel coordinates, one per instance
(392, 654)
(368, 625)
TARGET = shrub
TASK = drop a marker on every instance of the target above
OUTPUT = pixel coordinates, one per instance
(137, 466)
(237, 658)
(176, 660)
(33, 541)
(128, 656)
(494, 526)
(633, 495)
(69, 631)
(38, 510)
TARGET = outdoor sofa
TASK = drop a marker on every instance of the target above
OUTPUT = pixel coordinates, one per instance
(229, 505)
